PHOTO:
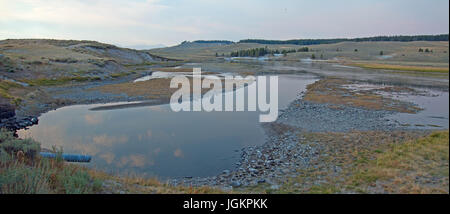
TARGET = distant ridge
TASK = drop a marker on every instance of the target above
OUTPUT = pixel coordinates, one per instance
(214, 41)
(440, 37)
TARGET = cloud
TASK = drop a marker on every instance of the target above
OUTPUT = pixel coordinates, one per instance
(178, 153)
(138, 160)
(81, 12)
(134, 161)
(147, 22)
(108, 157)
(92, 119)
(49, 135)
(108, 141)
(90, 149)
(112, 21)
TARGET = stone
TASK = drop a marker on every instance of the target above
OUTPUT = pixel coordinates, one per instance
(235, 184)
(252, 170)
(275, 187)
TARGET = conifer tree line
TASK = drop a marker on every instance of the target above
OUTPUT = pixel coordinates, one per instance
(257, 52)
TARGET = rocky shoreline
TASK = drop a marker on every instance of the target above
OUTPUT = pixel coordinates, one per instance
(9, 120)
(16, 123)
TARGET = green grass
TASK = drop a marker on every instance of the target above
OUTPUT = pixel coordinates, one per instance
(5, 86)
(59, 81)
(122, 74)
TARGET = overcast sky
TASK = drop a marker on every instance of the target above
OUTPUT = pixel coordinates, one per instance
(134, 23)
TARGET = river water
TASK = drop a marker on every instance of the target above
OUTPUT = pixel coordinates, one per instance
(154, 140)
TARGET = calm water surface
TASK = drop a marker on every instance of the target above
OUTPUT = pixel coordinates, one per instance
(153, 140)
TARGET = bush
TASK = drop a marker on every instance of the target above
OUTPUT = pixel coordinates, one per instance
(12, 145)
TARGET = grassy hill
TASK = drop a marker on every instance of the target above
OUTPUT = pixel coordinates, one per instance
(34, 59)
(207, 51)
(393, 52)
(25, 63)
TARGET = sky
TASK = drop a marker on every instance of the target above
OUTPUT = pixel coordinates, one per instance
(148, 23)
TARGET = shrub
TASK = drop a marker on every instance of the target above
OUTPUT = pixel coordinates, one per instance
(31, 174)
(12, 145)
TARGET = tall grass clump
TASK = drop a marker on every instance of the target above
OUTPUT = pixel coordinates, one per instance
(23, 171)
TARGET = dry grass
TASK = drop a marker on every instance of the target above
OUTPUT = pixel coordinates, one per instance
(375, 162)
(139, 185)
(419, 166)
(151, 89)
(332, 91)
(400, 67)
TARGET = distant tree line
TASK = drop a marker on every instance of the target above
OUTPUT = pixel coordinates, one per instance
(257, 52)
(441, 37)
(214, 41)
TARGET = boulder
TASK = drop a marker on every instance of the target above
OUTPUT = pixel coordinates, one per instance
(6, 111)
